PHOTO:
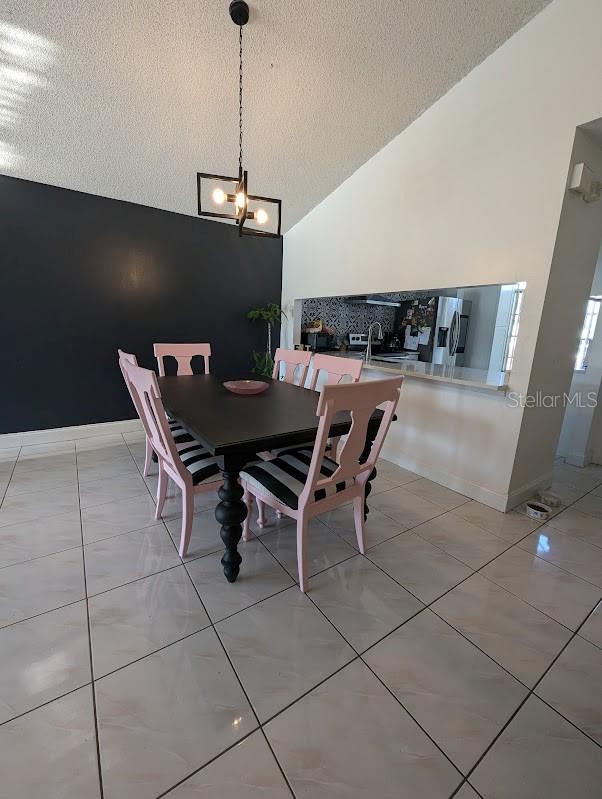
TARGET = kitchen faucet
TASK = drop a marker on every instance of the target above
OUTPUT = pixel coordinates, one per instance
(380, 333)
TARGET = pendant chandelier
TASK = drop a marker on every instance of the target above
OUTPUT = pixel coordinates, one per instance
(254, 215)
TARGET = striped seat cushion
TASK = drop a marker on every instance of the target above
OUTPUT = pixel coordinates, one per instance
(284, 477)
(180, 435)
(200, 463)
(275, 453)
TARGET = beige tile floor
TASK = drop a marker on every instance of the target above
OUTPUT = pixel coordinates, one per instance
(460, 657)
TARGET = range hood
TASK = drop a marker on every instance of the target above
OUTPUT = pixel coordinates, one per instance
(372, 299)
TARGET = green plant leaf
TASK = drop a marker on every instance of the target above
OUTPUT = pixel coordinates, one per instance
(263, 363)
(271, 314)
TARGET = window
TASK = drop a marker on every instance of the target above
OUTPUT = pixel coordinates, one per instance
(508, 359)
(587, 334)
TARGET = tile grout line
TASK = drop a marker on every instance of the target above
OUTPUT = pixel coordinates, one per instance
(280, 768)
(94, 707)
(12, 471)
(470, 785)
(530, 693)
(212, 625)
(332, 530)
(510, 546)
(565, 571)
(356, 553)
(139, 579)
(39, 557)
(208, 763)
(428, 606)
(516, 596)
(293, 702)
(360, 658)
(152, 496)
(476, 571)
(47, 702)
(409, 529)
(315, 574)
(529, 690)
(556, 711)
(92, 596)
(152, 652)
(135, 580)
(44, 612)
(238, 679)
(415, 720)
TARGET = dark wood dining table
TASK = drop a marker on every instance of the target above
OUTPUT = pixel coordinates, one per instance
(235, 428)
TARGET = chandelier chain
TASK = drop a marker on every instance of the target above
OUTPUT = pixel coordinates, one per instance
(240, 101)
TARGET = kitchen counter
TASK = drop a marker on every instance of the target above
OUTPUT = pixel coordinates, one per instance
(457, 375)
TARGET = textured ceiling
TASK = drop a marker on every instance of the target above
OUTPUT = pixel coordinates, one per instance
(129, 98)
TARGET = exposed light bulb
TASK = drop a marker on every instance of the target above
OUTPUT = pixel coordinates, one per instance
(261, 216)
(219, 196)
(240, 199)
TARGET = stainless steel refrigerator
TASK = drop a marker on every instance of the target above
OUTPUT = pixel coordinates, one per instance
(451, 331)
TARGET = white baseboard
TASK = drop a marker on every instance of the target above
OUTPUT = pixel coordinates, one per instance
(496, 500)
(69, 433)
(527, 491)
(459, 484)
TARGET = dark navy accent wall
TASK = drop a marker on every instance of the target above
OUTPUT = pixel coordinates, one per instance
(82, 275)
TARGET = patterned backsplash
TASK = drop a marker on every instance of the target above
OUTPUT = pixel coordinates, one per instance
(347, 318)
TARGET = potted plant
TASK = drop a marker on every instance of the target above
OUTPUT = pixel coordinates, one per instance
(263, 362)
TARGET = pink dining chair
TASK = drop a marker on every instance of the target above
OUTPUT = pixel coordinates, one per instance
(181, 437)
(294, 361)
(192, 468)
(336, 368)
(183, 353)
(302, 484)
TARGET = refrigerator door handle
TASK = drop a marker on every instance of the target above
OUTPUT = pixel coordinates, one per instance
(458, 332)
(453, 334)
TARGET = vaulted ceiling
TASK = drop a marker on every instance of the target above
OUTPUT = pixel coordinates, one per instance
(129, 98)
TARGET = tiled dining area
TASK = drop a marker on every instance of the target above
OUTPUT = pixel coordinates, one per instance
(459, 657)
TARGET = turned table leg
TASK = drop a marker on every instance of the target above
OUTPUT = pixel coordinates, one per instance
(231, 513)
(370, 435)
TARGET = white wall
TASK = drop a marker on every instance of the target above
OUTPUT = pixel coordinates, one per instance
(470, 193)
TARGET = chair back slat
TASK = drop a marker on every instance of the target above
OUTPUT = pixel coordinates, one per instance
(294, 361)
(336, 369)
(145, 389)
(183, 353)
(130, 358)
(360, 400)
